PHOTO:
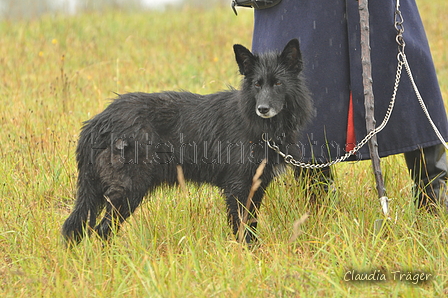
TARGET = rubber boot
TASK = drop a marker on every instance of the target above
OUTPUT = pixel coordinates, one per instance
(428, 168)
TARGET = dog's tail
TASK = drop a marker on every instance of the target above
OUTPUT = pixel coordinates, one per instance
(83, 217)
(89, 200)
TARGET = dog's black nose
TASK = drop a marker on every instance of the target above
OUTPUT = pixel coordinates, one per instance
(263, 109)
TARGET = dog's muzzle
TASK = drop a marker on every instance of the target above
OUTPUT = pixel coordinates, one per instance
(265, 111)
(257, 4)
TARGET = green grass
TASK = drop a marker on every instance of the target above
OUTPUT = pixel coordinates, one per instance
(59, 71)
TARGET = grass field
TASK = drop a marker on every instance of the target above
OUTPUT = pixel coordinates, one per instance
(58, 71)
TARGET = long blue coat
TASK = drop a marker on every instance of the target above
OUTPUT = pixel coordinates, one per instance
(329, 35)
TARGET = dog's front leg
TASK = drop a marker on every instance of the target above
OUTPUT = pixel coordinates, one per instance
(242, 211)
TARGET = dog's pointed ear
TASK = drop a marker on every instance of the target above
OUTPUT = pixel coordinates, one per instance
(244, 58)
(292, 56)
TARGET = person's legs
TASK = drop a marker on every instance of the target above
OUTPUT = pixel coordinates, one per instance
(428, 168)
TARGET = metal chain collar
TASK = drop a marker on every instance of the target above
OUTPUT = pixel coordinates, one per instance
(401, 59)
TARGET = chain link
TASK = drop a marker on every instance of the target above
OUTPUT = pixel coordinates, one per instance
(401, 61)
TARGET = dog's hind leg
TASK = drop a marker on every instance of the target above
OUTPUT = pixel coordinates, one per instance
(120, 204)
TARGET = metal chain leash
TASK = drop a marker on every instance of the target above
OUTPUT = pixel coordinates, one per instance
(401, 61)
(422, 103)
(401, 56)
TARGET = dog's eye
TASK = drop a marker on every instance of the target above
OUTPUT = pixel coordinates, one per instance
(278, 83)
(257, 84)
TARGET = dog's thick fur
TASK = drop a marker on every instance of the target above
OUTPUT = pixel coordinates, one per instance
(136, 143)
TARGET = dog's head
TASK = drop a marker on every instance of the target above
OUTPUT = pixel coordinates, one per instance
(268, 76)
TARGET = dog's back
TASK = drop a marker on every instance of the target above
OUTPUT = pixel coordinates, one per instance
(137, 142)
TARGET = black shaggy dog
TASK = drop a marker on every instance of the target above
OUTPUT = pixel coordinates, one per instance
(136, 143)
